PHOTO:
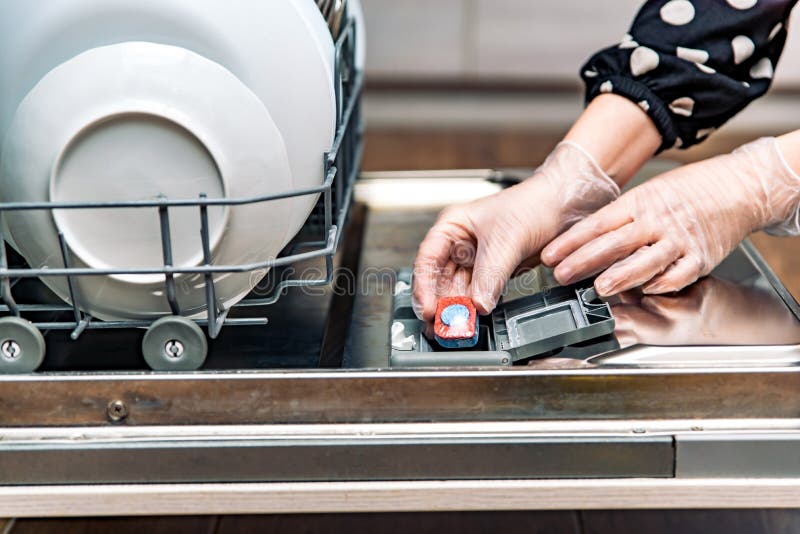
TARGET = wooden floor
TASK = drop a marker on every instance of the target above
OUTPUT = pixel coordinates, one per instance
(633, 522)
(393, 150)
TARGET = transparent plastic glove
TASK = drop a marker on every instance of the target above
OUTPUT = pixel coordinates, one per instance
(670, 231)
(474, 248)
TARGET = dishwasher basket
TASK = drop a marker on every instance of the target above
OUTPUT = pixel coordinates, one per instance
(175, 342)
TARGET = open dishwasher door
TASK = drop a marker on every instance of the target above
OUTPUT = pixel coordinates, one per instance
(692, 401)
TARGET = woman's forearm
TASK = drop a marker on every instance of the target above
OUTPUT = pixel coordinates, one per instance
(790, 148)
(619, 135)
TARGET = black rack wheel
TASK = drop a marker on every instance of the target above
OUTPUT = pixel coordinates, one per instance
(22, 346)
(175, 344)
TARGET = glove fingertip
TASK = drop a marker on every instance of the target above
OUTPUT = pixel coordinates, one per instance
(604, 288)
(423, 303)
(549, 257)
(563, 275)
(418, 308)
(485, 301)
(485, 304)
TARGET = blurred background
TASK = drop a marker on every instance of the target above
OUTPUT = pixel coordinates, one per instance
(494, 83)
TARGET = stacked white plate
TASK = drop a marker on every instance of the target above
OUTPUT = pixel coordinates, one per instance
(143, 99)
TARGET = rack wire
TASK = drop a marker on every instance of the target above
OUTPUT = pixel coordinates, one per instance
(341, 166)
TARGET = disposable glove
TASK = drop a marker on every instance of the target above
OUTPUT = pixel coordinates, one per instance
(474, 248)
(670, 231)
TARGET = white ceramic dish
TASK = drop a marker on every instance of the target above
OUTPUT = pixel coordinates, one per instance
(280, 49)
(308, 174)
(135, 121)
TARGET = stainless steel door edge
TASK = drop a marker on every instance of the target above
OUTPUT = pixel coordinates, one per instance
(400, 397)
(404, 431)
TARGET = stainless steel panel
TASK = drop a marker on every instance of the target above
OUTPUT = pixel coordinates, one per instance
(350, 459)
(738, 455)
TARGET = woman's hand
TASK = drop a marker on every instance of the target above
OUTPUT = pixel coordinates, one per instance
(672, 230)
(473, 249)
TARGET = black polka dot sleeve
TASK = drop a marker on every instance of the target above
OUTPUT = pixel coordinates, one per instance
(693, 64)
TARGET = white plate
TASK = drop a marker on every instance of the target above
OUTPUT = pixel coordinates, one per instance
(275, 47)
(318, 30)
(135, 121)
(309, 175)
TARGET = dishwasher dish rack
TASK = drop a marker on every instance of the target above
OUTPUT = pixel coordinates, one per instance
(174, 342)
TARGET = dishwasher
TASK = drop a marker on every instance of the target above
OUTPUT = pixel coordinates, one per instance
(321, 393)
